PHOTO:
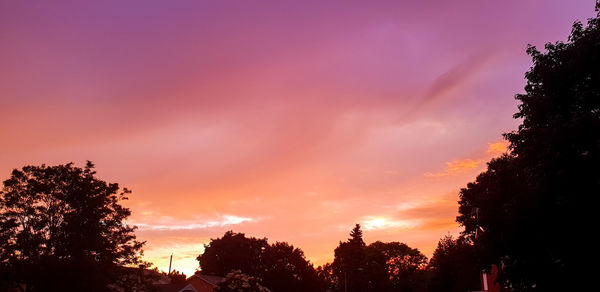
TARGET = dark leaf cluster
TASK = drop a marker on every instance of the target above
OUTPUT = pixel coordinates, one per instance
(60, 226)
(379, 266)
(280, 266)
(529, 213)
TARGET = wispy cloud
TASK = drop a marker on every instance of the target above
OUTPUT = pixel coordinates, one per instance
(497, 148)
(457, 75)
(459, 166)
(382, 222)
(224, 220)
(456, 167)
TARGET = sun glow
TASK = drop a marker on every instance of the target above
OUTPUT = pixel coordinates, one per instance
(378, 223)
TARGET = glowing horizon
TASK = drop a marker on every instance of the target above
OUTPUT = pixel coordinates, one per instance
(291, 121)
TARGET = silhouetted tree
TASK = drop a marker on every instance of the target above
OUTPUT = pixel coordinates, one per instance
(327, 277)
(380, 266)
(394, 266)
(62, 228)
(356, 236)
(279, 266)
(454, 266)
(498, 212)
(177, 277)
(350, 262)
(547, 184)
(233, 251)
(286, 269)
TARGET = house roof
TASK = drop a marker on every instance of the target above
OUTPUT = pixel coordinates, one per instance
(213, 280)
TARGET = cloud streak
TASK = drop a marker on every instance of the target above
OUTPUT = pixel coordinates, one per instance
(460, 166)
(224, 220)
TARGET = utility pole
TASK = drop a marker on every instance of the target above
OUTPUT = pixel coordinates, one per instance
(170, 262)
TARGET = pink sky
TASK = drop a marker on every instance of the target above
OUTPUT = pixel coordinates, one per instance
(285, 120)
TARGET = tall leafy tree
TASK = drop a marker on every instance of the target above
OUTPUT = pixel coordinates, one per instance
(233, 251)
(350, 263)
(327, 277)
(394, 266)
(529, 212)
(279, 266)
(379, 266)
(63, 228)
(286, 269)
(454, 266)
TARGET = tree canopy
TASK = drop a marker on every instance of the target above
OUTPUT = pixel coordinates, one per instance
(280, 266)
(350, 263)
(379, 266)
(454, 266)
(526, 212)
(394, 266)
(233, 251)
(61, 227)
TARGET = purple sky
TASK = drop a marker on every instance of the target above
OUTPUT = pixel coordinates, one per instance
(290, 120)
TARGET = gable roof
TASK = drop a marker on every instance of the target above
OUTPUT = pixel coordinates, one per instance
(212, 280)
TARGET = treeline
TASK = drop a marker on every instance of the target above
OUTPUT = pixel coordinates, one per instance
(379, 266)
(63, 229)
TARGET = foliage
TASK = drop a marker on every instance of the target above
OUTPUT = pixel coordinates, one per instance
(454, 266)
(177, 277)
(546, 185)
(135, 279)
(62, 227)
(356, 236)
(286, 269)
(281, 266)
(327, 277)
(498, 212)
(394, 266)
(234, 251)
(236, 281)
(350, 263)
(380, 266)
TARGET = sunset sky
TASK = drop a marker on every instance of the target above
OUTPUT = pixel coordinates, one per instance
(291, 120)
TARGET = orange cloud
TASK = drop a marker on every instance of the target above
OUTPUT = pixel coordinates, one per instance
(456, 167)
(459, 166)
(497, 148)
(224, 220)
(380, 222)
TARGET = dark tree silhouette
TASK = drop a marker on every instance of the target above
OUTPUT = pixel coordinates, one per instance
(529, 212)
(62, 228)
(380, 266)
(499, 213)
(233, 251)
(286, 269)
(177, 277)
(327, 277)
(280, 266)
(454, 266)
(350, 263)
(356, 236)
(394, 266)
